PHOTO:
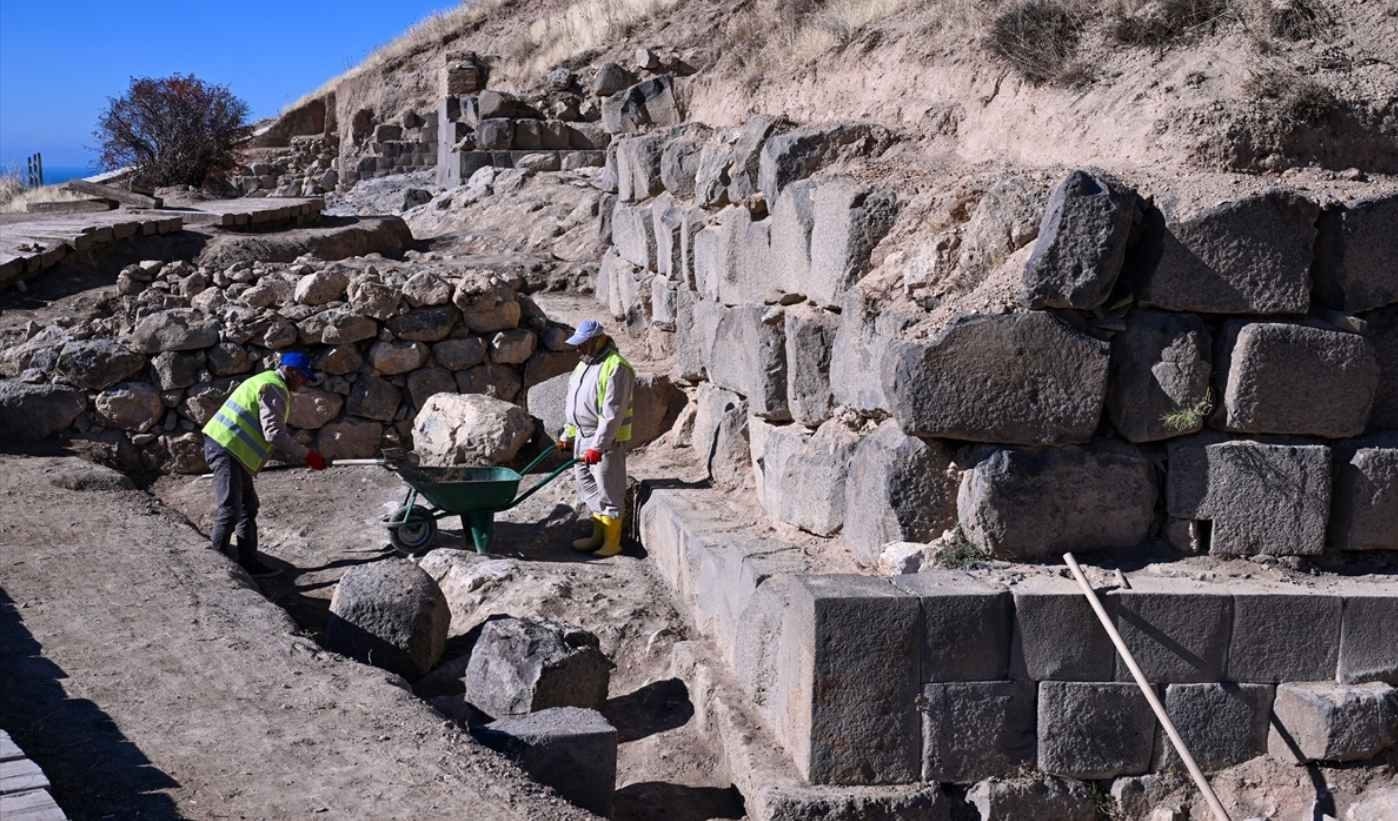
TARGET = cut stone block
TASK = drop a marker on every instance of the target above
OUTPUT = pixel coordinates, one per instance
(711, 177)
(847, 683)
(1383, 332)
(1364, 510)
(570, 749)
(737, 274)
(787, 158)
(390, 614)
(1159, 365)
(708, 262)
(1222, 725)
(521, 666)
(868, 327)
(694, 220)
(959, 612)
(1178, 630)
(495, 134)
(668, 220)
(1320, 721)
(633, 233)
(1094, 730)
(756, 641)
(898, 490)
(1283, 633)
(849, 220)
(1057, 636)
(977, 730)
(1081, 245)
(803, 481)
(663, 293)
(1026, 503)
(1369, 634)
(689, 356)
(1023, 379)
(810, 336)
(679, 163)
(747, 155)
(793, 218)
(1294, 379)
(792, 803)
(1354, 255)
(1261, 498)
(1247, 256)
(1043, 798)
(749, 357)
(774, 451)
(638, 167)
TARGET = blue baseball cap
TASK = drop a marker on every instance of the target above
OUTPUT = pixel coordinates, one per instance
(299, 362)
(589, 329)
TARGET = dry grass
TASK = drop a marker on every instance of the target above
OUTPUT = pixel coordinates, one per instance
(15, 196)
(582, 28)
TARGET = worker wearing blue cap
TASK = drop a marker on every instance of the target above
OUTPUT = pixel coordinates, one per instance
(237, 442)
(598, 416)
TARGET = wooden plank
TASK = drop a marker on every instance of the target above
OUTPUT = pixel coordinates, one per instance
(71, 206)
(9, 750)
(34, 805)
(21, 775)
(111, 192)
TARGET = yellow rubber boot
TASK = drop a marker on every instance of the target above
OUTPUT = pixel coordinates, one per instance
(611, 528)
(594, 541)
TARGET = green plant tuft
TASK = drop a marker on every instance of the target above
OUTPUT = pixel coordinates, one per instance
(1191, 417)
(960, 554)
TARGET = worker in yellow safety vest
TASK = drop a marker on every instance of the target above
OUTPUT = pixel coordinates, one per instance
(598, 416)
(238, 441)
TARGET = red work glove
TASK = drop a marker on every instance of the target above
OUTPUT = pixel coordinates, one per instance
(315, 461)
(592, 456)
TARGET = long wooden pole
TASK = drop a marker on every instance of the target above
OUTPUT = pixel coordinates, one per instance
(1146, 689)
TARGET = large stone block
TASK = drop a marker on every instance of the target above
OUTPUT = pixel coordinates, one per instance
(1094, 730)
(1221, 725)
(1178, 630)
(647, 103)
(965, 626)
(1159, 366)
(711, 176)
(810, 337)
(570, 749)
(1283, 633)
(787, 158)
(802, 476)
(1247, 256)
(801, 803)
(1059, 799)
(693, 221)
(521, 666)
(1383, 332)
(708, 262)
(849, 220)
(97, 364)
(736, 276)
(749, 358)
(848, 682)
(868, 327)
(1354, 255)
(747, 156)
(706, 318)
(793, 218)
(679, 163)
(1319, 721)
(689, 357)
(495, 134)
(1369, 634)
(633, 233)
(1364, 510)
(1295, 379)
(668, 221)
(720, 435)
(1081, 245)
(36, 411)
(1023, 379)
(1057, 636)
(977, 730)
(1041, 502)
(1260, 498)
(390, 614)
(899, 490)
(638, 167)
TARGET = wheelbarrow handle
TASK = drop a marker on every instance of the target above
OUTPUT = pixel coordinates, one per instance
(565, 466)
(537, 459)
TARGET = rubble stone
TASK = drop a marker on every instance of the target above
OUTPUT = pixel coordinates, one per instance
(390, 614)
(175, 330)
(1081, 244)
(1159, 366)
(521, 666)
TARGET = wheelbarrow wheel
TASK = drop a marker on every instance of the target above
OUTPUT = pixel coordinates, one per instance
(414, 538)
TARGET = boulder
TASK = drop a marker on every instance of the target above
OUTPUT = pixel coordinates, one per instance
(610, 79)
(374, 299)
(390, 614)
(312, 409)
(1287, 378)
(1354, 255)
(1030, 503)
(426, 289)
(571, 749)
(229, 358)
(1364, 510)
(488, 303)
(174, 370)
(513, 347)
(899, 489)
(496, 381)
(36, 411)
(97, 364)
(202, 401)
(428, 382)
(339, 360)
(321, 287)
(470, 429)
(1246, 256)
(424, 324)
(134, 407)
(374, 398)
(1081, 245)
(1158, 379)
(648, 103)
(521, 666)
(338, 326)
(350, 439)
(180, 329)
(391, 358)
(458, 354)
(1025, 379)
(849, 220)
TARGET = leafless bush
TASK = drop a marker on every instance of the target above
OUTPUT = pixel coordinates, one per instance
(1157, 24)
(1039, 38)
(11, 185)
(1292, 99)
(1295, 19)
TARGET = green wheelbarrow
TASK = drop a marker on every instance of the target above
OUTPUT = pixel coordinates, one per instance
(474, 494)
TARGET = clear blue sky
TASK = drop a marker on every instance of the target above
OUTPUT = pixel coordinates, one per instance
(60, 60)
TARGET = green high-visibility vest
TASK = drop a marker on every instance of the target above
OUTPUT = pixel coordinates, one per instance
(613, 361)
(237, 425)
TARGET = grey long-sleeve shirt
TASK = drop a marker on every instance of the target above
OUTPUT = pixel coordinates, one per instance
(597, 427)
(271, 409)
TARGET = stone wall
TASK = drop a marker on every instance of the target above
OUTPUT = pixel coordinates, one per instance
(384, 336)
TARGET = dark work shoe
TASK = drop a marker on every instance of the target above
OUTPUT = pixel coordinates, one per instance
(258, 570)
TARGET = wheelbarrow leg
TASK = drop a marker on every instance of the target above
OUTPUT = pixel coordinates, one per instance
(481, 526)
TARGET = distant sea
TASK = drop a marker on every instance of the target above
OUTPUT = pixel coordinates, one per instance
(56, 174)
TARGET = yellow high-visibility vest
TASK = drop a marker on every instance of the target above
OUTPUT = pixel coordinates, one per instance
(609, 365)
(237, 425)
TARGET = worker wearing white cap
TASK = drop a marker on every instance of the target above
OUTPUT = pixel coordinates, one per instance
(598, 415)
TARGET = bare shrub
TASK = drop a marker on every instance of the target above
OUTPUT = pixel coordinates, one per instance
(1295, 19)
(175, 130)
(11, 185)
(1157, 24)
(1293, 100)
(1039, 38)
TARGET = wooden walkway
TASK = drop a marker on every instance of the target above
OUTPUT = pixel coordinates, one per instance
(24, 790)
(34, 242)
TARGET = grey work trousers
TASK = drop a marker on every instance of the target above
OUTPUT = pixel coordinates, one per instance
(603, 485)
(237, 505)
